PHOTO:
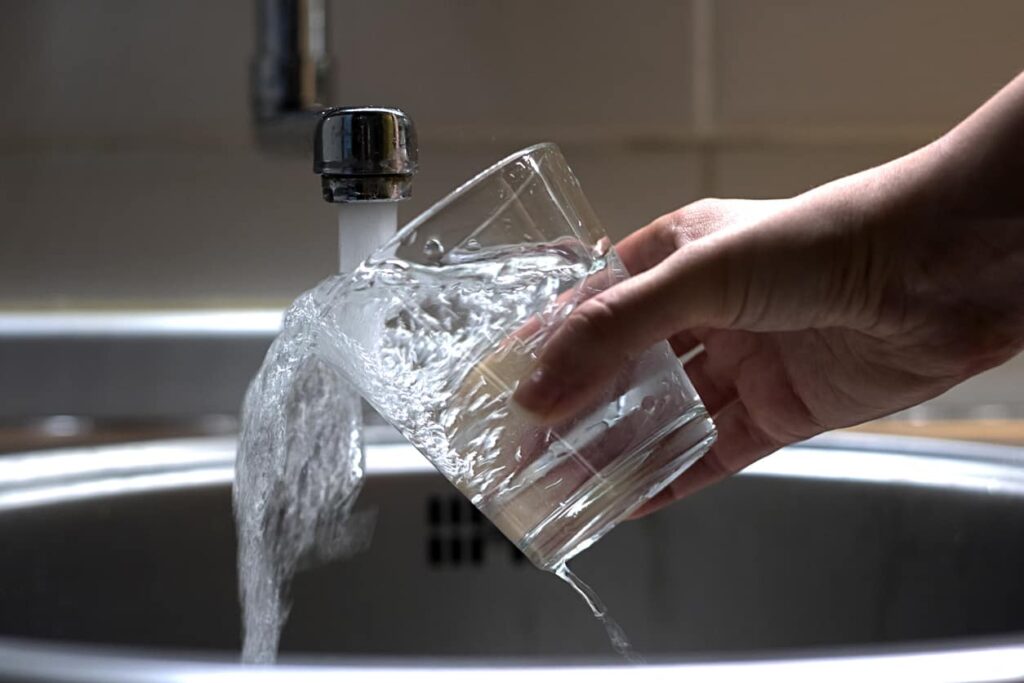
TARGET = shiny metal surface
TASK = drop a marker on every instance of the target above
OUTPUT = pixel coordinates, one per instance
(138, 364)
(365, 154)
(848, 558)
(289, 72)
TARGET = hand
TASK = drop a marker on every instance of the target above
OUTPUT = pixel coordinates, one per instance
(844, 304)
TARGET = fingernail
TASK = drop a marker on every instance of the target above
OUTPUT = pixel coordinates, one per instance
(537, 393)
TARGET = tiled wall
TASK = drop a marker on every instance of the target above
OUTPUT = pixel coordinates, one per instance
(128, 176)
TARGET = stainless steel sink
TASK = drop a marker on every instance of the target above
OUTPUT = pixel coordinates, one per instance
(847, 556)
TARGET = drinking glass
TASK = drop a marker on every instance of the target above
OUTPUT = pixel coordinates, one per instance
(437, 328)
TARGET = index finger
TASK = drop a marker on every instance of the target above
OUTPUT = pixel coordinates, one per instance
(638, 252)
(648, 246)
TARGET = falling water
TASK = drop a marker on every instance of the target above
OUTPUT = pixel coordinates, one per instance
(300, 461)
(300, 457)
(617, 637)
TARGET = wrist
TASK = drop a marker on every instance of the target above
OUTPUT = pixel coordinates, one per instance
(958, 284)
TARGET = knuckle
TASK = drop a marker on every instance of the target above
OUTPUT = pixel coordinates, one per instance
(697, 219)
(705, 208)
(707, 205)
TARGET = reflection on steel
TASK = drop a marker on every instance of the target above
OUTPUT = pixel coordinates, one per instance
(263, 323)
(986, 662)
(862, 466)
(289, 72)
(158, 465)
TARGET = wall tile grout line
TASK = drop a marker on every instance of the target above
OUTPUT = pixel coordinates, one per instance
(703, 92)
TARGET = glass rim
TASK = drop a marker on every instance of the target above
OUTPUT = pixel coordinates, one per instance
(453, 196)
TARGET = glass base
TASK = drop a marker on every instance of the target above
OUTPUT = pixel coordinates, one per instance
(597, 507)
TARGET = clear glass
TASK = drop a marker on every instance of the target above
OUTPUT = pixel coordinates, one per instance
(437, 328)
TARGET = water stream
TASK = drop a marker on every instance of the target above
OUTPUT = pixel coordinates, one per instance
(298, 471)
(300, 461)
(616, 636)
(299, 466)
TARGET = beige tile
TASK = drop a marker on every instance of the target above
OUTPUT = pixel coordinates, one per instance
(119, 70)
(627, 188)
(167, 226)
(630, 189)
(779, 172)
(185, 227)
(442, 169)
(868, 63)
(139, 74)
(516, 62)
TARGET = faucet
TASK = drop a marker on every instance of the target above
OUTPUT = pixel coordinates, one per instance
(365, 156)
(288, 80)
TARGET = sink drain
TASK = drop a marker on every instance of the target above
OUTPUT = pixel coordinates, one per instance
(460, 536)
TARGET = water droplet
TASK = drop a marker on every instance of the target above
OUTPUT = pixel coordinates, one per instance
(649, 404)
(472, 244)
(433, 248)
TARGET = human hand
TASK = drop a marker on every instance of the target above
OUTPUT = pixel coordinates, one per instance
(846, 303)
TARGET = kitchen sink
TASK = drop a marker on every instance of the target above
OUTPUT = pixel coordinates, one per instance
(847, 555)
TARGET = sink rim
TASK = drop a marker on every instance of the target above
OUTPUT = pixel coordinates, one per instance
(970, 659)
(62, 475)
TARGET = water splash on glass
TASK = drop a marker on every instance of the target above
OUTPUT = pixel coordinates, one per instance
(430, 347)
(298, 472)
(439, 349)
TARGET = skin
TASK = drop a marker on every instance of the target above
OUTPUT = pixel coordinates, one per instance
(846, 303)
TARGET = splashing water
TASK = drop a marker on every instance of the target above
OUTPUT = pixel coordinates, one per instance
(298, 472)
(431, 349)
(421, 342)
(425, 352)
(300, 457)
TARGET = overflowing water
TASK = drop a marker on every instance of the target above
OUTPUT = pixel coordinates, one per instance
(430, 347)
(298, 471)
(300, 461)
(438, 349)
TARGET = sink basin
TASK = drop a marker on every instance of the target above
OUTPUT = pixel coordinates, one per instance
(847, 555)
